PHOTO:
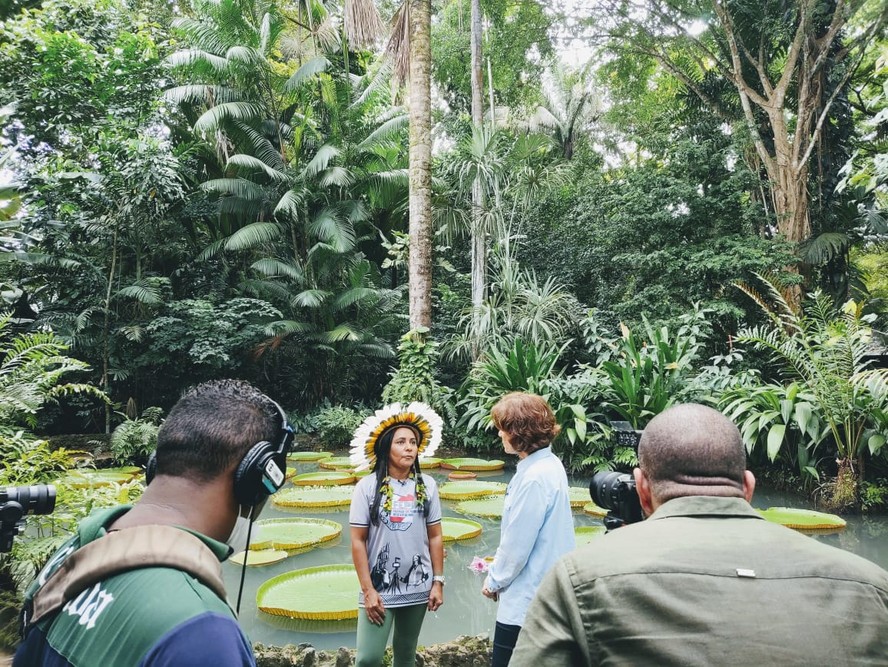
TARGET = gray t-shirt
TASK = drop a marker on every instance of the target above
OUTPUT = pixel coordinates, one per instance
(398, 546)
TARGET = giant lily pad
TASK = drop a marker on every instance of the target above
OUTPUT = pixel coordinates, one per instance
(336, 463)
(585, 534)
(579, 496)
(326, 593)
(295, 533)
(464, 490)
(304, 457)
(594, 510)
(459, 529)
(259, 557)
(472, 464)
(490, 507)
(430, 463)
(314, 496)
(82, 479)
(804, 520)
(324, 478)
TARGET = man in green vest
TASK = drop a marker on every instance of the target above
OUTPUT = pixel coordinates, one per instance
(704, 580)
(141, 584)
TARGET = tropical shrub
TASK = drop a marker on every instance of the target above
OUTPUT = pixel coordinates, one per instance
(31, 370)
(337, 424)
(823, 349)
(783, 418)
(134, 439)
(525, 367)
(648, 373)
(414, 379)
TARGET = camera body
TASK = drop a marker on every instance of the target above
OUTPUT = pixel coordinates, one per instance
(16, 502)
(616, 492)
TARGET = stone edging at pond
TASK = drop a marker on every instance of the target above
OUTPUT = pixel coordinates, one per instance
(464, 651)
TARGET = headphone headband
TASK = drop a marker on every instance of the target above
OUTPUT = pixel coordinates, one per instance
(262, 469)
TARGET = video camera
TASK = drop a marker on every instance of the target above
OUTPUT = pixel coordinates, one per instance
(16, 502)
(616, 492)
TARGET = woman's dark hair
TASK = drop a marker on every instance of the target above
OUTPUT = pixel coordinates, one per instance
(211, 428)
(380, 470)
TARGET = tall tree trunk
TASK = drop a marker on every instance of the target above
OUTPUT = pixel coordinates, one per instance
(479, 237)
(420, 112)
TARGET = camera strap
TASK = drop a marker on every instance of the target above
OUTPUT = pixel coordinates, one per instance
(120, 551)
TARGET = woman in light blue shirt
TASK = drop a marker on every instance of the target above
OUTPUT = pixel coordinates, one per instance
(537, 525)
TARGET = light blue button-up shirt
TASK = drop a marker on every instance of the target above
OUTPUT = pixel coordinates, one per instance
(537, 529)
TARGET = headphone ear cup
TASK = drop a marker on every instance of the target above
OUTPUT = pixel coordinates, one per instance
(248, 486)
(151, 468)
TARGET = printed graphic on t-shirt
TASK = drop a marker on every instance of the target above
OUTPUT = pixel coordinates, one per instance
(390, 580)
(403, 509)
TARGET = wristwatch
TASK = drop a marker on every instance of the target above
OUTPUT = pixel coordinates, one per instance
(439, 578)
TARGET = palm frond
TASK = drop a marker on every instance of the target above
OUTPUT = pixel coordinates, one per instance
(205, 94)
(235, 187)
(306, 71)
(213, 118)
(386, 131)
(321, 160)
(252, 235)
(824, 247)
(253, 165)
(310, 298)
(273, 268)
(362, 23)
(192, 57)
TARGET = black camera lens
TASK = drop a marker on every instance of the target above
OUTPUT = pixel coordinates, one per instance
(605, 488)
(35, 499)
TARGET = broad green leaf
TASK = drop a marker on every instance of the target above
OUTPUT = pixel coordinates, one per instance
(775, 440)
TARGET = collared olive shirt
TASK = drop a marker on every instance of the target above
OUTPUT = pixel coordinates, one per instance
(706, 581)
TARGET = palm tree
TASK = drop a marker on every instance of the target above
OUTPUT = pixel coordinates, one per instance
(571, 107)
(299, 190)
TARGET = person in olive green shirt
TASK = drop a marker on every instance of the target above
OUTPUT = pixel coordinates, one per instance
(705, 580)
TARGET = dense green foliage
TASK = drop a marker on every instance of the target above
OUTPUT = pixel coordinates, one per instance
(223, 191)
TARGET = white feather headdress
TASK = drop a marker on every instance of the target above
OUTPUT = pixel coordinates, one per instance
(418, 416)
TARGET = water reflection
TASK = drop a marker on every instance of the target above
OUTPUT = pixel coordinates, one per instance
(465, 610)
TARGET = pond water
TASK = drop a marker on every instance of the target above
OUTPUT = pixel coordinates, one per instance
(465, 610)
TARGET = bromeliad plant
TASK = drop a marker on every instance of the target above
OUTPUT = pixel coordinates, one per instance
(822, 350)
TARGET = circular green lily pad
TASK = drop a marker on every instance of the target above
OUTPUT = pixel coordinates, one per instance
(470, 488)
(594, 510)
(259, 558)
(490, 507)
(325, 593)
(805, 520)
(472, 464)
(361, 473)
(430, 463)
(336, 463)
(82, 479)
(578, 495)
(308, 456)
(585, 534)
(314, 496)
(324, 478)
(291, 472)
(295, 533)
(459, 529)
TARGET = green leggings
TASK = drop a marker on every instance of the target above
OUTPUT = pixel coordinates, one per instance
(372, 638)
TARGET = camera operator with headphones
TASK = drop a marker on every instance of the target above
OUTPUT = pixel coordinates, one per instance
(142, 584)
(704, 580)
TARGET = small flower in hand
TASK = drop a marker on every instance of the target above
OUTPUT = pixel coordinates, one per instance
(479, 565)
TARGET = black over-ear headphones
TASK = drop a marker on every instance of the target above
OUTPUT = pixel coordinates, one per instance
(260, 472)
